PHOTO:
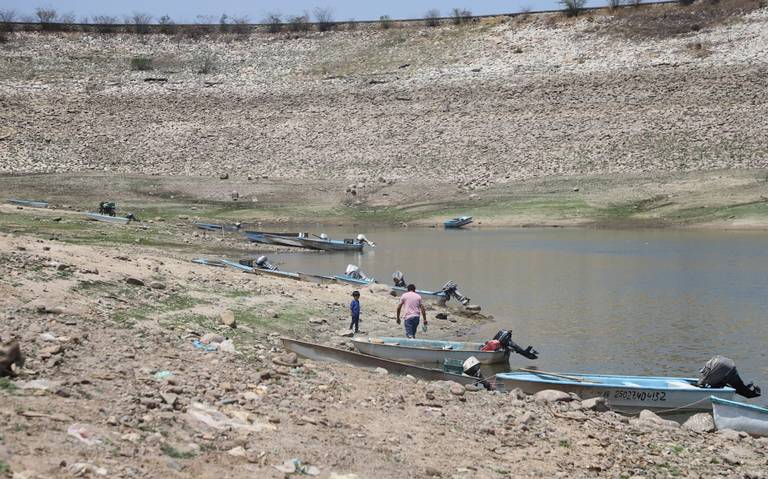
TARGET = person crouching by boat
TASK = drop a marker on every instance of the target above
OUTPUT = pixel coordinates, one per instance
(354, 309)
(413, 307)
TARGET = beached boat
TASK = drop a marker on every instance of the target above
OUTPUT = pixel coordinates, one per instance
(436, 296)
(249, 269)
(109, 219)
(209, 262)
(457, 222)
(427, 351)
(215, 227)
(319, 352)
(331, 245)
(276, 239)
(353, 280)
(740, 416)
(622, 393)
(29, 203)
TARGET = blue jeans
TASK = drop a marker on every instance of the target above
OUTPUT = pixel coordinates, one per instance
(355, 323)
(411, 325)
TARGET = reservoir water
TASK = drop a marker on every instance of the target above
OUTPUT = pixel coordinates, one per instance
(658, 302)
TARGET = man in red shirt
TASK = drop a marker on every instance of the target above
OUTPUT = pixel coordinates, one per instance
(413, 306)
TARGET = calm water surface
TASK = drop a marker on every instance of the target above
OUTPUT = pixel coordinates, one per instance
(635, 302)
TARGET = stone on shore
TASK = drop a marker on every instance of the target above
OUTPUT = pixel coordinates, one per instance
(700, 423)
(551, 396)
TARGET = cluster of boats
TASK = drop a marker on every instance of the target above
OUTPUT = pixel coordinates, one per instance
(622, 393)
(295, 240)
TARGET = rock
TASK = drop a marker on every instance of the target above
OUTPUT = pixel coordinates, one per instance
(731, 435)
(700, 423)
(316, 321)
(651, 418)
(457, 389)
(224, 176)
(345, 333)
(595, 404)
(227, 318)
(551, 395)
(169, 398)
(238, 451)
(473, 307)
(135, 281)
(441, 316)
(381, 371)
(157, 285)
(212, 338)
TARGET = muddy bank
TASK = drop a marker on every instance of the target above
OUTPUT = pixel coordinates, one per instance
(114, 386)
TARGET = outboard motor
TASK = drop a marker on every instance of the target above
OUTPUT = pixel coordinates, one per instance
(721, 371)
(504, 337)
(354, 272)
(362, 239)
(399, 278)
(263, 263)
(471, 367)
(451, 289)
(323, 236)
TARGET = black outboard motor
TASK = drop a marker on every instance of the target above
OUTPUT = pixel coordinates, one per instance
(721, 371)
(451, 289)
(263, 263)
(505, 338)
(399, 278)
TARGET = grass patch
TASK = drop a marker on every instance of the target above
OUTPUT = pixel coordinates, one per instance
(171, 451)
(7, 385)
(141, 63)
(4, 467)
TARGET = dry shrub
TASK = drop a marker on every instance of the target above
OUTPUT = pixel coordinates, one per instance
(662, 21)
(698, 49)
(432, 18)
(141, 64)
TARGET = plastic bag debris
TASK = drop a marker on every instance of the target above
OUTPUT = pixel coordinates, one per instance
(160, 375)
(210, 416)
(83, 433)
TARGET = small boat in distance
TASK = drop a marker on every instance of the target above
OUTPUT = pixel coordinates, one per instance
(110, 219)
(215, 227)
(740, 416)
(427, 351)
(457, 222)
(326, 244)
(622, 393)
(29, 203)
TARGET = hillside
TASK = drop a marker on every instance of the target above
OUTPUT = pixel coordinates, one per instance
(490, 102)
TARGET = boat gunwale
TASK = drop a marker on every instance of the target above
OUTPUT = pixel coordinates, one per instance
(355, 341)
(516, 376)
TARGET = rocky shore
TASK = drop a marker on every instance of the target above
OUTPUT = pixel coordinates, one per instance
(114, 386)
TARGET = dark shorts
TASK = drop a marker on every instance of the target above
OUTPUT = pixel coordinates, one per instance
(411, 325)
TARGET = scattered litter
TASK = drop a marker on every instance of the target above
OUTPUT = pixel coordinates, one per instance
(205, 347)
(160, 375)
(294, 466)
(84, 434)
(47, 337)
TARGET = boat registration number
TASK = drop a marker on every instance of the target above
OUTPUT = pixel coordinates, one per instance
(629, 395)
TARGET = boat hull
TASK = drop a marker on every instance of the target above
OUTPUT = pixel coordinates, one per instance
(436, 296)
(458, 222)
(108, 219)
(330, 245)
(740, 416)
(320, 352)
(29, 203)
(623, 393)
(425, 351)
(348, 279)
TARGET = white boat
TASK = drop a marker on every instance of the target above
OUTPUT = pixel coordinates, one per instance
(740, 416)
(427, 351)
(622, 393)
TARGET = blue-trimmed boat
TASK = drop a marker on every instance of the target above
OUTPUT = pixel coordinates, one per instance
(249, 269)
(29, 203)
(436, 296)
(209, 262)
(740, 416)
(622, 393)
(457, 222)
(327, 244)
